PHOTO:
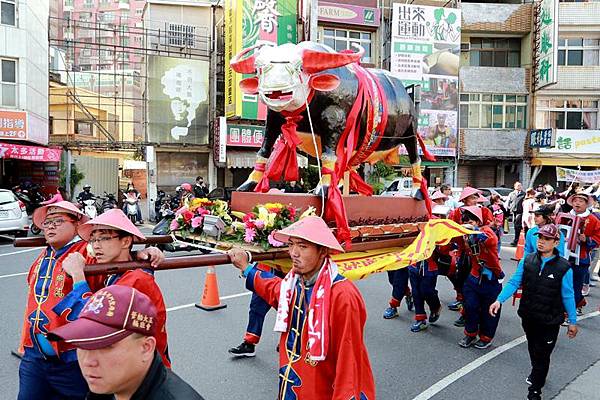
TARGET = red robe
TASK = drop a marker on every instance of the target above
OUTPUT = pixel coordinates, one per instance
(346, 372)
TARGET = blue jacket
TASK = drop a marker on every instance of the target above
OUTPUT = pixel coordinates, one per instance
(531, 242)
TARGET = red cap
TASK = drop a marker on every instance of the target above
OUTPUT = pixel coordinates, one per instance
(549, 231)
(111, 314)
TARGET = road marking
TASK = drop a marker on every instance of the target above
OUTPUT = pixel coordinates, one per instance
(231, 296)
(453, 377)
(20, 251)
(18, 274)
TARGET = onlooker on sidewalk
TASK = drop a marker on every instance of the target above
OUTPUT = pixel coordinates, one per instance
(498, 211)
(515, 206)
(528, 209)
(547, 282)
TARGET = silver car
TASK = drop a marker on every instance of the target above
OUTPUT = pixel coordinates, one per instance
(13, 217)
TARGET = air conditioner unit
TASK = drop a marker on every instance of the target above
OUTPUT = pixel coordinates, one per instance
(465, 47)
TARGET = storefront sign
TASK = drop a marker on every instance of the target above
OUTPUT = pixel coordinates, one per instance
(540, 138)
(31, 153)
(546, 43)
(246, 22)
(575, 175)
(245, 135)
(348, 14)
(425, 51)
(222, 140)
(13, 125)
(575, 142)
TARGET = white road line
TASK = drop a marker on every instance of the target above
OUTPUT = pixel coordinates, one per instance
(9, 275)
(231, 296)
(20, 251)
(453, 377)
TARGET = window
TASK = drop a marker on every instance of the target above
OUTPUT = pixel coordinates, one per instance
(498, 111)
(495, 52)
(88, 3)
(568, 114)
(181, 35)
(341, 39)
(84, 128)
(8, 12)
(9, 83)
(578, 51)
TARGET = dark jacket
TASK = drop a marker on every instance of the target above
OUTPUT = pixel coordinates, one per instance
(160, 383)
(200, 191)
(541, 300)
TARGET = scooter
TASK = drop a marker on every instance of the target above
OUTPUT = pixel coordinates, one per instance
(109, 202)
(161, 200)
(132, 208)
(89, 208)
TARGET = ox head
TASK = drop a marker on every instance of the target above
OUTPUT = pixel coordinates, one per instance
(285, 75)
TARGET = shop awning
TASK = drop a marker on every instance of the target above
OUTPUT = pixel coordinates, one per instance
(564, 162)
(246, 159)
(30, 153)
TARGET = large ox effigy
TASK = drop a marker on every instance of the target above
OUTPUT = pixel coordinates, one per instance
(356, 114)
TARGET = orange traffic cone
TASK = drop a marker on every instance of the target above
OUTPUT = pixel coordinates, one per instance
(210, 297)
(520, 248)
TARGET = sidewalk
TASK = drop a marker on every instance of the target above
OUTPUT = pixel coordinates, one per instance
(585, 387)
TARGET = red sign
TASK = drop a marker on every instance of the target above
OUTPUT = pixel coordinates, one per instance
(245, 135)
(31, 153)
(13, 125)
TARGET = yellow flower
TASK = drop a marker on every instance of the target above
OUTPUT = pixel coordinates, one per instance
(238, 214)
(265, 216)
(238, 226)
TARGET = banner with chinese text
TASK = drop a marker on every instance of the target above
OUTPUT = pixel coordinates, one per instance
(575, 141)
(13, 125)
(30, 153)
(245, 135)
(546, 39)
(246, 22)
(425, 51)
(575, 175)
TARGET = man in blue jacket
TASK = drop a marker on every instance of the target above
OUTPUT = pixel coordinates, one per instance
(542, 216)
(547, 282)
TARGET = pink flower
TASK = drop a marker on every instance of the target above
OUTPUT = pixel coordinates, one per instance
(181, 210)
(197, 221)
(174, 225)
(259, 224)
(250, 235)
(273, 242)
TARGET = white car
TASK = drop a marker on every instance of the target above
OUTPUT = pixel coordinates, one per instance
(13, 215)
(399, 187)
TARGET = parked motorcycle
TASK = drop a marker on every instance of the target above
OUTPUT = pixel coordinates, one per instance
(30, 194)
(132, 204)
(162, 201)
(109, 202)
(89, 208)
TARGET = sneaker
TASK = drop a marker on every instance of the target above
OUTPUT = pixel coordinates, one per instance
(460, 322)
(418, 326)
(467, 341)
(579, 311)
(455, 306)
(434, 316)
(390, 312)
(410, 304)
(585, 291)
(244, 350)
(534, 395)
(565, 323)
(512, 244)
(528, 381)
(481, 344)
(595, 278)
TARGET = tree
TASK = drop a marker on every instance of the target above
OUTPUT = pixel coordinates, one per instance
(76, 177)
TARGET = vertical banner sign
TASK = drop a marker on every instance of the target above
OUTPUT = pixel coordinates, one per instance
(546, 40)
(425, 51)
(222, 139)
(248, 21)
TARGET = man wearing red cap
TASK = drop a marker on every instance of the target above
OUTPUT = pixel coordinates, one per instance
(56, 296)
(547, 282)
(115, 337)
(111, 237)
(482, 285)
(321, 317)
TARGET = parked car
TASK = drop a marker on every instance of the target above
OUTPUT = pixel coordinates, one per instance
(13, 214)
(399, 187)
(501, 191)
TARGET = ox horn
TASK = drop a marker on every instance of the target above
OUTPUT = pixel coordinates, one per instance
(246, 65)
(316, 61)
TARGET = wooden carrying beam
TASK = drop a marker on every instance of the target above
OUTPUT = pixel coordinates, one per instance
(40, 241)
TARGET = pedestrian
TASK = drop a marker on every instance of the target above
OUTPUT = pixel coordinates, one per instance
(471, 197)
(186, 195)
(423, 279)
(116, 338)
(293, 187)
(200, 189)
(111, 237)
(547, 293)
(499, 213)
(542, 216)
(515, 207)
(528, 208)
(50, 370)
(322, 351)
(400, 289)
(482, 286)
(447, 191)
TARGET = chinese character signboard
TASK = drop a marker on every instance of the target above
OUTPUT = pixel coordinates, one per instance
(30, 153)
(575, 142)
(13, 125)
(575, 175)
(245, 135)
(246, 22)
(178, 100)
(546, 40)
(349, 14)
(540, 138)
(425, 51)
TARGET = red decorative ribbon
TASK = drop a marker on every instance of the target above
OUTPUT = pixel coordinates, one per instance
(335, 209)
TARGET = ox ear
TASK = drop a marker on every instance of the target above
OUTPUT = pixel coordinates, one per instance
(324, 82)
(249, 85)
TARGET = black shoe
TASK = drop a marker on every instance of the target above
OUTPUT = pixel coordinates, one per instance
(534, 395)
(410, 304)
(481, 344)
(512, 244)
(243, 350)
(467, 341)
(460, 322)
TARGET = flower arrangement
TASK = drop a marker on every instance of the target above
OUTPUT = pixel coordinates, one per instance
(189, 218)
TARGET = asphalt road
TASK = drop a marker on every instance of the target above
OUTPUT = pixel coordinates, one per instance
(406, 365)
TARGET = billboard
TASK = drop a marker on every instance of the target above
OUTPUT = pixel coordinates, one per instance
(575, 141)
(246, 22)
(349, 14)
(13, 125)
(577, 175)
(425, 51)
(178, 100)
(546, 44)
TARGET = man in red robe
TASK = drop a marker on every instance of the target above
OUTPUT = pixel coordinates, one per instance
(321, 317)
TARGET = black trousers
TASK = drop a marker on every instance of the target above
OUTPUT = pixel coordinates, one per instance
(541, 340)
(518, 225)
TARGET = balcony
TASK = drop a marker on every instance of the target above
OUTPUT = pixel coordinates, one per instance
(493, 80)
(493, 143)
